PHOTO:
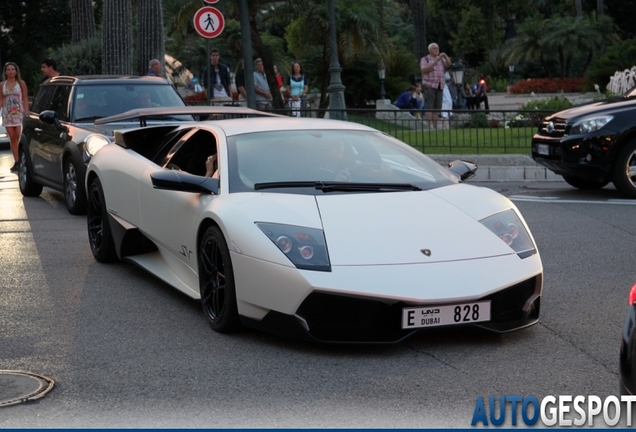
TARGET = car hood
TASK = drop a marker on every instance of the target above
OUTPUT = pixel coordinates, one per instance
(395, 228)
(601, 107)
(105, 129)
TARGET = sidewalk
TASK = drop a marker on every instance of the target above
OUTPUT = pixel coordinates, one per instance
(505, 101)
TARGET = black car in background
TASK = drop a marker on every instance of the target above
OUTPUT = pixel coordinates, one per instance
(628, 348)
(591, 145)
(59, 135)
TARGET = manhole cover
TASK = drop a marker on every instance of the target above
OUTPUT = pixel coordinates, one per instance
(18, 387)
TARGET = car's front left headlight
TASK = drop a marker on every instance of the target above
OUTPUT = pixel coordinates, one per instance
(95, 142)
(304, 247)
(590, 124)
(509, 228)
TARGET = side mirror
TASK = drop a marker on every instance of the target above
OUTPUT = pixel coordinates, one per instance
(463, 169)
(184, 182)
(50, 117)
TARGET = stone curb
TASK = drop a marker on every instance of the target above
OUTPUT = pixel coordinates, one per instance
(502, 167)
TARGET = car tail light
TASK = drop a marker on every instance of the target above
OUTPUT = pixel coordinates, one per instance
(632, 295)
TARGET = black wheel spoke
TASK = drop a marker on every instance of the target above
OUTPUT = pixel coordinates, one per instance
(216, 286)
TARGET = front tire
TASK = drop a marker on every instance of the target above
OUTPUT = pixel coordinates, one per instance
(624, 175)
(100, 237)
(74, 192)
(25, 177)
(584, 184)
(216, 282)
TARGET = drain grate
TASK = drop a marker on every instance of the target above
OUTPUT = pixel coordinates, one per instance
(19, 387)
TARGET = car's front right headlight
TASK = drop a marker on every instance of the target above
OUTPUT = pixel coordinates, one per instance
(590, 124)
(94, 143)
(509, 228)
(304, 247)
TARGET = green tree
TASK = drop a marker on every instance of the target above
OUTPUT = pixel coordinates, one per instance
(475, 33)
(617, 58)
(27, 32)
(82, 58)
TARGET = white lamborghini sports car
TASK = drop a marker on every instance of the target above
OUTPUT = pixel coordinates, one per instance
(311, 228)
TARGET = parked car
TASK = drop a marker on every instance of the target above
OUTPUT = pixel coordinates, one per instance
(312, 228)
(591, 145)
(4, 136)
(628, 348)
(59, 135)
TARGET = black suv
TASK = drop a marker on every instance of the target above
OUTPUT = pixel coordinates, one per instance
(59, 135)
(592, 145)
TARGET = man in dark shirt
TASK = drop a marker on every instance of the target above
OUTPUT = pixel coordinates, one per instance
(49, 69)
(219, 75)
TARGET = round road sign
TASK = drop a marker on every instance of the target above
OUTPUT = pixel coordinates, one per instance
(209, 22)
(210, 1)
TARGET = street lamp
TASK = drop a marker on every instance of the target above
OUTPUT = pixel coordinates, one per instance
(382, 76)
(511, 69)
(336, 88)
(457, 73)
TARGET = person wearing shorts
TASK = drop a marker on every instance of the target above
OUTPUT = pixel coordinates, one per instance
(433, 67)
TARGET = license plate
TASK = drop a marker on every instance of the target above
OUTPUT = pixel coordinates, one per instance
(432, 316)
(543, 149)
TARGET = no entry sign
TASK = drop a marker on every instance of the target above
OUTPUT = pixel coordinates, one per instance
(209, 22)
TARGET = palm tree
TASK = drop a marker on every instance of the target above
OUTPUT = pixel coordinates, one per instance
(117, 37)
(150, 35)
(528, 44)
(82, 20)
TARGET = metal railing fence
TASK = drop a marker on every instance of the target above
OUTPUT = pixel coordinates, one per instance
(461, 132)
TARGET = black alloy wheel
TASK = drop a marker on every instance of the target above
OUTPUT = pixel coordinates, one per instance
(584, 184)
(99, 234)
(624, 175)
(25, 177)
(216, 282)
(74, 193)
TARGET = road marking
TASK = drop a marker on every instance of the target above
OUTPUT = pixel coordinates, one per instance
(570, 201)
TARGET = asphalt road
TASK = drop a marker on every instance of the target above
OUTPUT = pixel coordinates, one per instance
(126, 350)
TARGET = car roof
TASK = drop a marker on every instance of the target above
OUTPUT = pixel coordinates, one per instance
(242, 126)
(106, 79)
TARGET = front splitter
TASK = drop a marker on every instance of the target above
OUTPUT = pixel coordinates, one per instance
(19, 387)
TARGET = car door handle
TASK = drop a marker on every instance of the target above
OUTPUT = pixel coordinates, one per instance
(37, 130)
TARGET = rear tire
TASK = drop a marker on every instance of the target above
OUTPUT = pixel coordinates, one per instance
(584, 184)
(74, 192)
(216, 282)
(624, 175)
(28, 187)
(100, 237)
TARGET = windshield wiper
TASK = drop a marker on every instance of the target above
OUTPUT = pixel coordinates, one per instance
(339, 186)
(288, 184)
(374, 187)
(91, 118)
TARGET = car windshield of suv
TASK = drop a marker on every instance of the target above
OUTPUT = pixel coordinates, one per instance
(95, 101)
(304, 161)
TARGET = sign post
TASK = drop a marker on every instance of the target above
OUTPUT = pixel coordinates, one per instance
(209, 23)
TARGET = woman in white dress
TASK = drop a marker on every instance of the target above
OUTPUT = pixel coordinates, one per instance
(14, 101)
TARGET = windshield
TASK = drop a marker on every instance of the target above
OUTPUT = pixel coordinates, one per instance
(294, 161)
(95, 101)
